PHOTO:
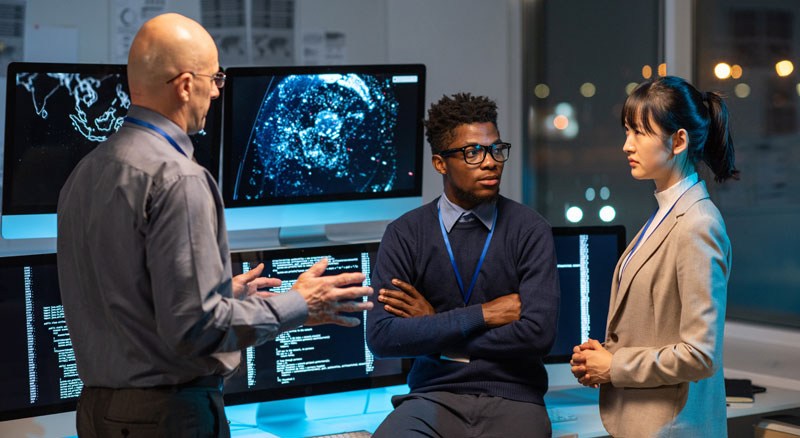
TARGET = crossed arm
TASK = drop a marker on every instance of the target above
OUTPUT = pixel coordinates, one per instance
(407, 302)
(404, 323)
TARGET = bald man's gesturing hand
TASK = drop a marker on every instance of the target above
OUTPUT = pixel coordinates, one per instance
(327, 297)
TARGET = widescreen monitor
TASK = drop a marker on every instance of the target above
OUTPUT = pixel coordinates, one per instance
(586, 258)
(40, 374)
(320, 145)
(311, 360)
(55, 115)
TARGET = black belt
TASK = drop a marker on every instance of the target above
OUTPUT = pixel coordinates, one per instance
(202, 382)
(211, 382)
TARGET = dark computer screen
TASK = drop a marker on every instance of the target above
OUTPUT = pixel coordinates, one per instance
(310, 134)
(311, 360)
(40, 376)
(39, 373)
(56, 114)
(586, 258)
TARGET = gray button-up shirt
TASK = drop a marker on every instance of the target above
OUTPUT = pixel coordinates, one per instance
(452, 213)
(144, 267)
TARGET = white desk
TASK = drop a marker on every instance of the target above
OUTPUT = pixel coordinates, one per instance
(582, 402)
(578, 401)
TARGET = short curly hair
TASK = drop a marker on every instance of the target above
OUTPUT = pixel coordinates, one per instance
(449, 113)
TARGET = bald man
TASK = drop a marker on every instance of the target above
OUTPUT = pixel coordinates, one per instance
(155, 318)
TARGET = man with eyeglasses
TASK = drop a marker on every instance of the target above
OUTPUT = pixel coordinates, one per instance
(468, 288)
(155, 318)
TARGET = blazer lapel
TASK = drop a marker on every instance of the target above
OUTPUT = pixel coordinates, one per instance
(615, 279)
(649, 247)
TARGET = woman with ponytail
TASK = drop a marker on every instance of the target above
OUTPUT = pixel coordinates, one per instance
(660, 367)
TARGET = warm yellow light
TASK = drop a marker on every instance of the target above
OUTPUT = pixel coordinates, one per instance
(784, 68)
(561, 122)
(647, 72)
(741, 90)
(736, 71)
(629, 88)
(588, 89)
(797, 87)
(722, 70)
(541, 91)
(662, 69)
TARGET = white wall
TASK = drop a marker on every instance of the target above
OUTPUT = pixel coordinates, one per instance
(472, 46)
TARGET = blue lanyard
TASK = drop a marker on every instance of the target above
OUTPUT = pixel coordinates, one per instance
(158, 130)
(647, 225)
(480, 261)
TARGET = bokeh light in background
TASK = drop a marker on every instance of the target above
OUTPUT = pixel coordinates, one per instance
(741, 90)
(541, 91)
(574, 214)
(588, 89)
(784, 68)
(722, 71)
(561, 122)
(607, 213)
(590, 194)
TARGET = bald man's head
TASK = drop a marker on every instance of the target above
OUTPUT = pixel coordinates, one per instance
(165, 47)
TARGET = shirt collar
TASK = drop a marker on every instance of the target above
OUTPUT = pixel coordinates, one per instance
(667, 198)
(451, 212)
(173, 130)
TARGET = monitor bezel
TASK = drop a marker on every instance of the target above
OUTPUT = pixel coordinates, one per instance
(227, 175)
(305, 390)
(8, 206)
(618, 230)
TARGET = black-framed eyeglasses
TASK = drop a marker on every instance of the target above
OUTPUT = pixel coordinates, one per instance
(476, 153)
(218, 77)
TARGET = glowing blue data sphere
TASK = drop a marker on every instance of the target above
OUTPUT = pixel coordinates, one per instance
(318, 134)
(574, 214)
(607, 213)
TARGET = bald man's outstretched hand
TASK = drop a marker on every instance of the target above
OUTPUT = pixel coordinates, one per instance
(327, 296)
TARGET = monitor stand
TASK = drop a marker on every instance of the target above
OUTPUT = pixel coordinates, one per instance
(305, 236)
(302, 235)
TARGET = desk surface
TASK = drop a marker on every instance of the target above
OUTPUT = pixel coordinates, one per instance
(371, 409)
(580, 402)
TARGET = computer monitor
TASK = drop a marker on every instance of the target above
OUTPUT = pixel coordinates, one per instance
(311, 360)
(39, 370)
(586, 258)
(39, 373)
(307, 146)
(55, 115)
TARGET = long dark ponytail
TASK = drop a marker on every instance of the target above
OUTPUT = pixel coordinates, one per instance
(672, 104)
(718, 151)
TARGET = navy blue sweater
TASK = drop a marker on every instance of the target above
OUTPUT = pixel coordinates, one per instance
(504, 361)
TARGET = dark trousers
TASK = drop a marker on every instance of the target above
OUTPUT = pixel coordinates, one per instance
(446, 415)
(152, 413)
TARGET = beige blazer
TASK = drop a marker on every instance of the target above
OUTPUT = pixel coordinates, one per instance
(665, 328)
